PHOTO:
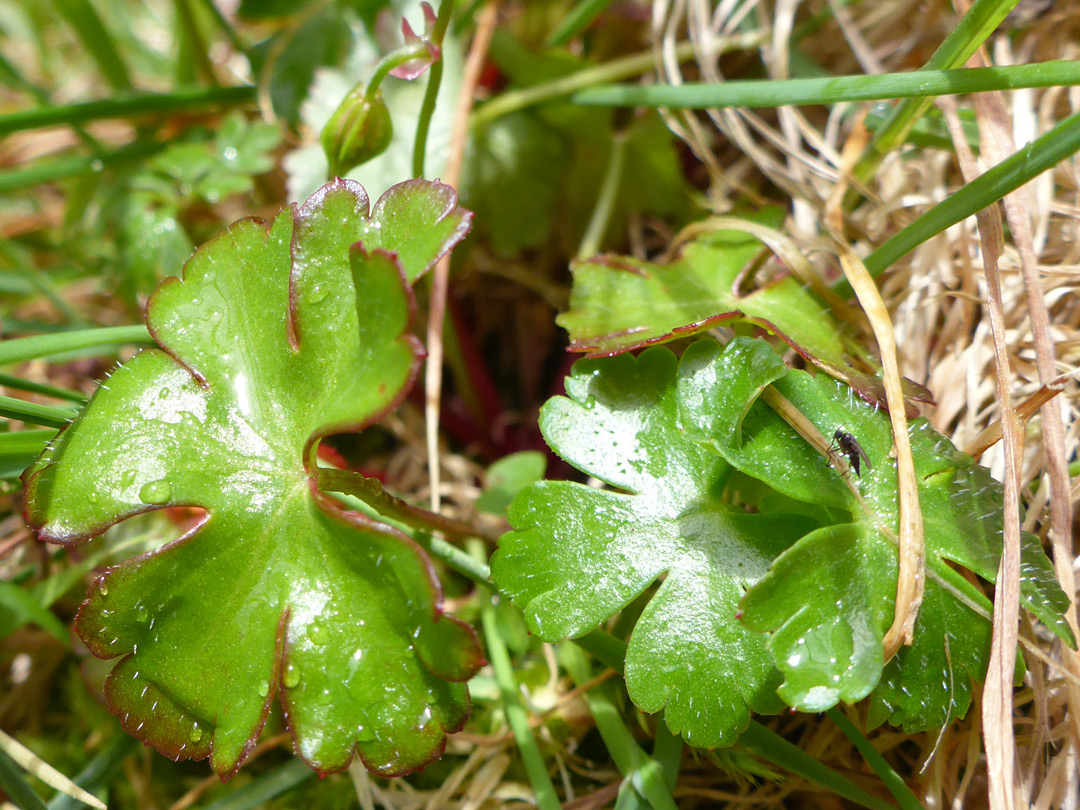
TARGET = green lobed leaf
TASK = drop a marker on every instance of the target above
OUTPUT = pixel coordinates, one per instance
(507, 477)
(662, 302)
(214, 171)
(829, 599)
(277, 335)
(619, 303)
(578, 554)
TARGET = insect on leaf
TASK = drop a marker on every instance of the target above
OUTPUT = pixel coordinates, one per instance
(828, 600)
(277, 335)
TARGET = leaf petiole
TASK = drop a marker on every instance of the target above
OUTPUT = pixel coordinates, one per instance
(371, 492)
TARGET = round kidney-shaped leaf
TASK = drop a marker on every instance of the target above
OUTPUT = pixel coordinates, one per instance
(277, 335)
(579, 554)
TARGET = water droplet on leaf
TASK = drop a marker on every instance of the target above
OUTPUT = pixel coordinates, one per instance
(156, 492)
(291, 679)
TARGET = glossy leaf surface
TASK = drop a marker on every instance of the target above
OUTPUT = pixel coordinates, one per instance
(277, 335)
(578, 554)
(828, 600)
(619, 303)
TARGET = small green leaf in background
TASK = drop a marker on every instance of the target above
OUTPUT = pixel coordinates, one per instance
(579, 555)
(277, 335)
(828, 600)
(213, 171)
(152, 243)
(507, 477)
(620, 303)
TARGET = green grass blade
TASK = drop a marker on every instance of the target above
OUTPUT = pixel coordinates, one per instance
(516, 713)
(106, 338)
(18, 450)
(644, 773)
(667, 751)
(780, 752)
(25, 610)
(892, 780)
(1031, 160)
(262, 789)
(98, 42)
(579, 18)
(127, 105)
(98, 772)
(832, 89)
(51, 170)
(36, 278)
(19, 384)
(35, 414)
(972, 31)
(16, 787)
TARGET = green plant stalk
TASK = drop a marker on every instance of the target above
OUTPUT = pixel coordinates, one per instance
(667, 751)
(516, 714)
(37, 278)
(64, 168)
(431, 92)
(226, 27)
(606, 73)
(16, 79)
(18, 451)
(97, 40)
(126, 105)
(755, 93)
(19, 350)
(900, 791)
(19, 384)
(98, 772)
(35, 414)
(371, 492)
(196, 45)
(1029, 161)
(16, 787)
(605, 202)
(388, 63)
(972, 31)
(580, 17)
(633, 763)
(26, 610)
(24, 441)
(265, 787)
(779, 751)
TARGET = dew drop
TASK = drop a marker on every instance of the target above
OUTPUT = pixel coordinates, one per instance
(264, 690)
(156, 492)
(317, 633)
(291, 679)
(196, 733)
(319, 294)
(104, 589)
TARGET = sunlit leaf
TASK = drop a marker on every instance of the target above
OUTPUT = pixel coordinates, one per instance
(277, 335)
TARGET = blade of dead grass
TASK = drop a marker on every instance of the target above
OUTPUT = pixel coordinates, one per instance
(911, 578)
(996, 142)
(33, 764)
(997, 706)
(440, 278)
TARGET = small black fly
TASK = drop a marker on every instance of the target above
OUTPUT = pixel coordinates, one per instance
(852, 450)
